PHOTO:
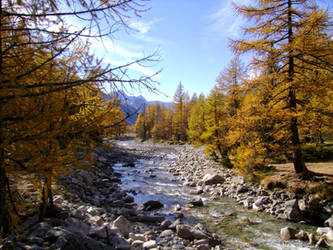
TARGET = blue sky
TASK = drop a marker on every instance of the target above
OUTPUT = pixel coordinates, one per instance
(191, 37)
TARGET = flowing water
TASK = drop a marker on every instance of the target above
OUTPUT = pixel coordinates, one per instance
(149, 179)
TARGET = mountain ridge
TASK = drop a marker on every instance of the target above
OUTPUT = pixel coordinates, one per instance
(132, 105)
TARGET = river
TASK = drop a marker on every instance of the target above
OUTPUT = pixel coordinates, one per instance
(237, 227)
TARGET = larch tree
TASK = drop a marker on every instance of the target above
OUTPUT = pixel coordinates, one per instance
(196, 121)
(51, 103)
(216, 127)
(179, 122)
(230, 82)
(162, 126)
(280, 28)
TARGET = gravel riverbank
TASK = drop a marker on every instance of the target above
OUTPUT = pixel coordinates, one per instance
(94, 213)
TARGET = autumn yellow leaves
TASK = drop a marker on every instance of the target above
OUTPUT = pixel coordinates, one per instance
(51, 103)
(266, 112)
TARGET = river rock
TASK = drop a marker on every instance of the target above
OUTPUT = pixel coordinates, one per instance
(87, 176)
(198, 234)
(248, 202)
(137, 243)
(323, 230)
(166, 233)
(134, 236)
(311, 209)
(258, 205)
(174, 225)
(292, 211)
(329, 238)
(40, 229)
(178, 215)
(202, 242)
(152, 205)
(149, 218)
(197, 202)
(76, 226)
(329, 222)
(149, 244)
(183, 231)
(165, 224)
(203, 247)
(242, 189)
(178, 207)
(122, 225)
(101, 232)
(211, 179)
(287, 233)
(80, 212)
(95, 220)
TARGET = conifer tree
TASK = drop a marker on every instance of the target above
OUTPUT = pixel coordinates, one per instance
(279, 29)
(216, 127)
(179, 122)
(196, 122)
(51, 103)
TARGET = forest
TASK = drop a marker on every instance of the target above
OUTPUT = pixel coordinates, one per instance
(52, 111)
(275, 109)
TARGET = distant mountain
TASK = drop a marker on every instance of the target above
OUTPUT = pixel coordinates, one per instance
(133, 105)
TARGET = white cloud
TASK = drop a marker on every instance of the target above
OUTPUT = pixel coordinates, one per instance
(135, 67)
(144, 27)
(225, 20)
(144, 70)
(112, 48)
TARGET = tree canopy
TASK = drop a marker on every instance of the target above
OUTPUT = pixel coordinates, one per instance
(51, 102)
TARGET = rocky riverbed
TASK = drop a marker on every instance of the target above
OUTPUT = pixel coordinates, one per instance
(95, 212)
(196, 170)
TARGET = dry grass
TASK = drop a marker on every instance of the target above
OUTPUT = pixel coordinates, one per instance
(325, 168)
(283, 176)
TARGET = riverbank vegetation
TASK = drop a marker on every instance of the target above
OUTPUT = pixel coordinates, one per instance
(277, 109)
(51, 105)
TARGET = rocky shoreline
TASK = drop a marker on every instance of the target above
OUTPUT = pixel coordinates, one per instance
(94, 213)
(195, 169)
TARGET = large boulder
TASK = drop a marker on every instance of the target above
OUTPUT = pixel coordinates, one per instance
(292, 211)
(76, 226)
(311, 210)
(184, 232)
(287, 233)
(122, 225)
(152, 205)
(211, 179)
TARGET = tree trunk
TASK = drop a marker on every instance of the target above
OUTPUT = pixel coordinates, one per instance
(4, 222)
(47, 206)
(298, 159)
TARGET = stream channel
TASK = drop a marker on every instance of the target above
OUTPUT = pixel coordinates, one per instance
(149, 179)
